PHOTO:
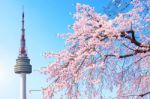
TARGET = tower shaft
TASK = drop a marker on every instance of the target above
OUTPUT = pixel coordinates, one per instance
(23, 86)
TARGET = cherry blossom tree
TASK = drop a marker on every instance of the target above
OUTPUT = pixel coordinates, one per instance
(103, 54)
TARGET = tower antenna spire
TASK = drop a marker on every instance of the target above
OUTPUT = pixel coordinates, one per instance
(23, 19)
(23, 49)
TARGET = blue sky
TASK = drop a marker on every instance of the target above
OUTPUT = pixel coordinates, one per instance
(44, 19)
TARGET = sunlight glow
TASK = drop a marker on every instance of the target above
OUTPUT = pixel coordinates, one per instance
(3, 76)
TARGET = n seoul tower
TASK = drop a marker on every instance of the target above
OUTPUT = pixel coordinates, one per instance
(23, 66)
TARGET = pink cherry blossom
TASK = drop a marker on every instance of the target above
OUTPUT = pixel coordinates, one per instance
(103, 54)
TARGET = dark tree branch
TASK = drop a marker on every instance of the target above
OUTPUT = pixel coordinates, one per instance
(128, 47)
(81, 64)
(142, 95)
(133, 40)
(121, 56)
(127, 55)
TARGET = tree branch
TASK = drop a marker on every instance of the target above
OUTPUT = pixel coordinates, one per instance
(142, 95)
(132, 38)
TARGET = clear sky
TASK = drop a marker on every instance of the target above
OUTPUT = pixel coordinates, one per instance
(44, 19)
